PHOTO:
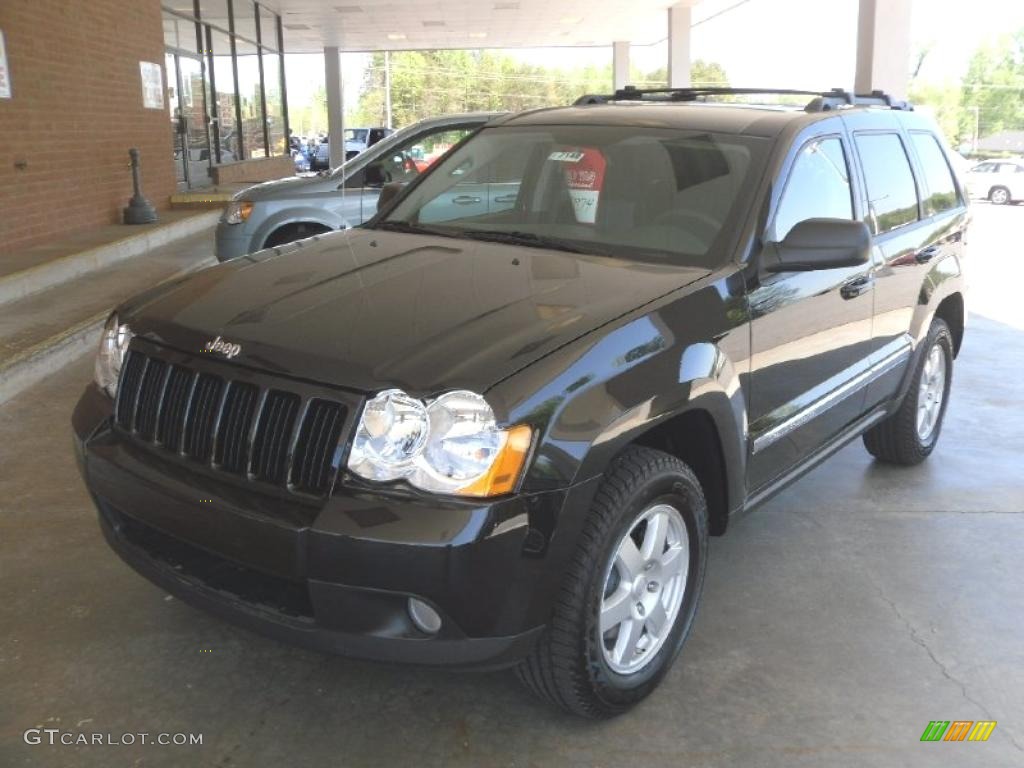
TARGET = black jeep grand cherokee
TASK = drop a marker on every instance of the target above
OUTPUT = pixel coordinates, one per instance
(489, 430)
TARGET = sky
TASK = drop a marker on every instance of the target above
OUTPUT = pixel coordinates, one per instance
(782, 43)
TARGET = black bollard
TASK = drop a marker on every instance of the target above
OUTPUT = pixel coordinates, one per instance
(139, 210)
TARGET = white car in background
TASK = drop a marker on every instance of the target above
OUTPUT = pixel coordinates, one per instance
(999, 181)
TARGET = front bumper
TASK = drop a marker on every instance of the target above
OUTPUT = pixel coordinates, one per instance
(232, 241)
(336, 575)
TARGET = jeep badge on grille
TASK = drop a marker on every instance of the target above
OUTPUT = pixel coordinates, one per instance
(226, 348)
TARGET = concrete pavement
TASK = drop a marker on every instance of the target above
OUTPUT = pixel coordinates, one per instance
(838, 620)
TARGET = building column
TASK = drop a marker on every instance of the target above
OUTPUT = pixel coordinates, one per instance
(679, 22)
(883, 47)
(335, 105)
(620, 64)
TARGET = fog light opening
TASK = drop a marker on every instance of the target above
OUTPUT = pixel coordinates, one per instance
(424, 617)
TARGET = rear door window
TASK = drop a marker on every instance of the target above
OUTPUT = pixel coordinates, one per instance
(818, 187)
(892, 193)
(942, 194)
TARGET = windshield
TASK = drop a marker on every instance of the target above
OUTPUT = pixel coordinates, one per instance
(630, 192)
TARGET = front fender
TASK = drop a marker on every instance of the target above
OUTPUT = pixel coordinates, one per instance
(305, 214)
(595, 396)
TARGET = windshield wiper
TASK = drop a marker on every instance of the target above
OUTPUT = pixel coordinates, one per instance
(413, 229)
(515, 237)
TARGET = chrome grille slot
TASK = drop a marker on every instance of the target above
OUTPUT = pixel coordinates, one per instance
(273, 436)
(314, 452)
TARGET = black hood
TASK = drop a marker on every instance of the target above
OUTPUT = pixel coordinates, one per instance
(368, 309)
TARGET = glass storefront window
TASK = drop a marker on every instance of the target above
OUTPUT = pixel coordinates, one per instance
(275, 107)
(218, 117)
(251, 100)
(224, 98)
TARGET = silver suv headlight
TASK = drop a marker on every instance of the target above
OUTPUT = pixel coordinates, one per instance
(236, 212)
(449, 444)
(113, 347)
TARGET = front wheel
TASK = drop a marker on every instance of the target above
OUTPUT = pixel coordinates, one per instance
(909, 435)
(631, 592)
(999, 196)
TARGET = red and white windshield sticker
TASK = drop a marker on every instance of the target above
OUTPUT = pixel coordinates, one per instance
(583, 169)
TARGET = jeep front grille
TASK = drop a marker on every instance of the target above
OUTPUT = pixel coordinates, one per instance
(259, 433)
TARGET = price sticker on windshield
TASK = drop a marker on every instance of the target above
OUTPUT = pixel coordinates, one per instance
(583, 169)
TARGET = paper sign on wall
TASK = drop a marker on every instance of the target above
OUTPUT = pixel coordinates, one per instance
(152, 85)
(583, 169)
(5, 72)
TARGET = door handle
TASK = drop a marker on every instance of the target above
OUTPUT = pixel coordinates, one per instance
(467, 200)
(506, 198)
(857, 286)
(926, 254)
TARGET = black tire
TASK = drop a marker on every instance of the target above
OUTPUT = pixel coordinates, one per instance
(999, 196)
(567, 666)
(292, 232)
(896, 440)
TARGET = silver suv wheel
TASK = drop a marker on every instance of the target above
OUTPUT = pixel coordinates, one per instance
(931, 390)
(644, 586)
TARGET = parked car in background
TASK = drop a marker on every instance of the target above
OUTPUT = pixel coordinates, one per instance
(356, 140)
(279, 212)
(998, 181)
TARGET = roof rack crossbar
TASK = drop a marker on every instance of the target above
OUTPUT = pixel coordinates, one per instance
(823, 101)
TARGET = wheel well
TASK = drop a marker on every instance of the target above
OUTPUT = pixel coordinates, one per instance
(693, 439)
(951, 309)
(293, 231)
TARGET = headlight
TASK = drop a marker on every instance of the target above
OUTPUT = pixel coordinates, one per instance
(113, 347)
(237, 212)
(450, 444)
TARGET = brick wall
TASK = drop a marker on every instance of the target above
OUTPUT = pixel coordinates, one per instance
(77, 108)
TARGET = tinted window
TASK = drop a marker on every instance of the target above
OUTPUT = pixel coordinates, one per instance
(892, 196)
(942, 193)
(818, 187)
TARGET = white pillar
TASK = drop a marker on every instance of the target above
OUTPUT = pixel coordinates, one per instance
(679, 22)
(883, 47)
(335, 105)
(620, 64)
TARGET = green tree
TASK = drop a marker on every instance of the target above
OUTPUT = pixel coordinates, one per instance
(994, 83)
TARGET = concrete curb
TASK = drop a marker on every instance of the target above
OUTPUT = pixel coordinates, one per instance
(52, 273)
(42, 359)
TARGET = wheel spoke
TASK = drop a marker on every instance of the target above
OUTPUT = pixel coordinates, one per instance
(675, 560)
(654, 537)
(656, 619)
(616, 608)
(628, 560)
(629, 635)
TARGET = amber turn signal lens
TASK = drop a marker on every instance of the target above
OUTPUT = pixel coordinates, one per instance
(507, 467)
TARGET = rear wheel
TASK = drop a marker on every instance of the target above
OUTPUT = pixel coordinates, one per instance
(999, 195)
(909, 435)
(631, 592)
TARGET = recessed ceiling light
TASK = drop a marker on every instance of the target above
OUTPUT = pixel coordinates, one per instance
(396, 36)
(433, 23)
(348, 9)
(477, 35)
(571, 19)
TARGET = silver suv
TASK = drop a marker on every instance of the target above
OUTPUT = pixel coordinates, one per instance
(278, 212)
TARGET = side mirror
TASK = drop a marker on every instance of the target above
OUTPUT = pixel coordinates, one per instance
(820, 244)
(374, 175)
(388, 193)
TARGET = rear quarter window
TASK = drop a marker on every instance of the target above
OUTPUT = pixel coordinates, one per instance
(938, 177)
(892, 193)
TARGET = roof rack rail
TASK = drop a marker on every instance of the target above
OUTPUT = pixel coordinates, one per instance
(823, 101)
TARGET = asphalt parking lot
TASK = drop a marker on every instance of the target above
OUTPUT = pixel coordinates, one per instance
(838, 620)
